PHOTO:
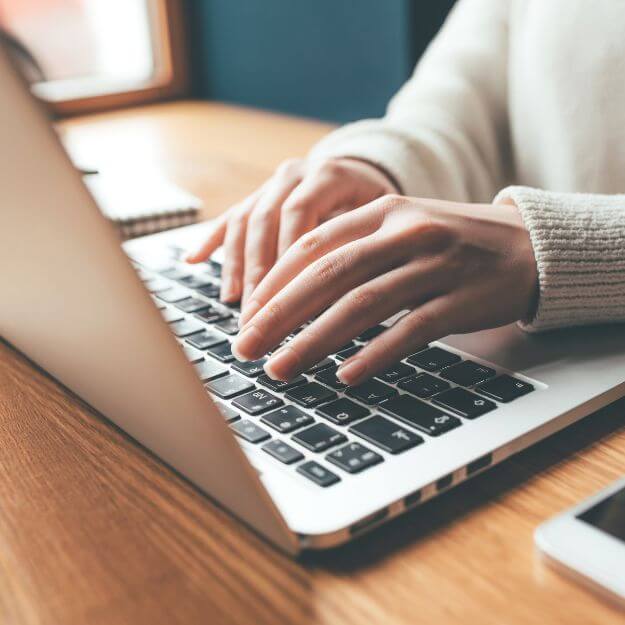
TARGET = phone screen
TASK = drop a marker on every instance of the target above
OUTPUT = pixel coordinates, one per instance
(608, 515)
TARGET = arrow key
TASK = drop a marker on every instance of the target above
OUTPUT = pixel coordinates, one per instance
(354, 458)
(420, 415)
(464, 403)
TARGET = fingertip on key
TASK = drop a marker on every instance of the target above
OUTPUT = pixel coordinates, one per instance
(352, 372)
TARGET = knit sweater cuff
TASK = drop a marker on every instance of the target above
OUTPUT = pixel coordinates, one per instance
(384, 148)
(579, 245)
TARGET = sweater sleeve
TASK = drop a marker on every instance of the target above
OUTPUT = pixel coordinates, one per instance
(579, 244)
(445, 134)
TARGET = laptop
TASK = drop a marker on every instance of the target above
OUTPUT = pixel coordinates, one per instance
(308, 464)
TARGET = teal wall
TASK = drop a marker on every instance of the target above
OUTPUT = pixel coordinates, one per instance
(332, 59)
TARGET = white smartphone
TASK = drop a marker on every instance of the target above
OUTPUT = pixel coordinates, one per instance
(588, 541)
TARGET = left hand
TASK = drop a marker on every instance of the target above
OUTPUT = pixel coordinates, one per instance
(455, 267)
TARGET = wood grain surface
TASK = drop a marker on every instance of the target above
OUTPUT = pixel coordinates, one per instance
(94, 530)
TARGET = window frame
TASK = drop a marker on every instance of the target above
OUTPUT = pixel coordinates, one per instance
(171, 76)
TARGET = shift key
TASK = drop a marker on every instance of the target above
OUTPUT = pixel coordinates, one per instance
(386, 435)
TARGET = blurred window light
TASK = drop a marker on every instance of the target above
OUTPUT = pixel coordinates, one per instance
(87, 48)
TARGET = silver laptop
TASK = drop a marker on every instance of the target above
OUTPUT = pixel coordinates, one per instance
(308, 464)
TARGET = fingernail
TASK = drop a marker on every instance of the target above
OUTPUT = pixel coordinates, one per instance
(247, 344)
(282, 365)
(351, 371)
(249, 310)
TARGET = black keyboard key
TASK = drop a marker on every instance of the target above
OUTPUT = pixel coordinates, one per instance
(386, 435)
(209, 370)
(371, 333)
(171, 314)
(311, 394)
(222, 352)
(468, 373)
(318, 474)
(464, 403)
(397, 372)
(424, 385)
(205, 339)
(195, 282)
(229, 386)
(279, 385)
(212, 316)
(172, 295)
(251, 368)
(249, 431)
(287, 419)
(319, 437)
(419, 415)
(346, 346)
(229, 326)
(228, 413)
(354, 458)
(185, 327)
(348, 353)
(328, 376)
(257, 402)
(191, 304)
(323, 364)
(371, 392)
(343, 411)
(433, 359)
(282, 452)
(210, 290)
(505, 388)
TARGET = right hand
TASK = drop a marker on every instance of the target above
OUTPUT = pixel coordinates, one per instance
(297, 198)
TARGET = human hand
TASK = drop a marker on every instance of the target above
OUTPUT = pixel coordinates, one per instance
(297, 198)
(455, 267)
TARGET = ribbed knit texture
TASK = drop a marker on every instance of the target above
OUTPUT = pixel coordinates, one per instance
(579, 244)
(506, 94)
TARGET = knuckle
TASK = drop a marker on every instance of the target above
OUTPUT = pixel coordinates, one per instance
(423, 323)
(364, 297)
(332, 167)
(289, 168)
(309, 242)
(294, 205)
(328, 268)
(273, 313)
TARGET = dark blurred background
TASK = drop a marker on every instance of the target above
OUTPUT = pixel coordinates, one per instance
(337, 60)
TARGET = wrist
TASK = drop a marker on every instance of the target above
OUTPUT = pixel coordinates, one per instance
(386, 178)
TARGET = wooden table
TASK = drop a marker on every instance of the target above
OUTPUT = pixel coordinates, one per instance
(95, 530)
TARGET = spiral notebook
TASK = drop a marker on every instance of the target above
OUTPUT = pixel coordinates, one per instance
(141, 204)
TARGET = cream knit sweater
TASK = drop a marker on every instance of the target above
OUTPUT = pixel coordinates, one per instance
(531, 93)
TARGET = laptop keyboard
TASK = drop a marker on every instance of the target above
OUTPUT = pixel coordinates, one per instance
(315, 420)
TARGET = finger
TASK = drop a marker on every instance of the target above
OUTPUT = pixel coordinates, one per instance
(212, 242)
(433, 320)
(234, 246)
(318, 194)
(262, 232)
(314, 289)
(361, 308)
(308, 249)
